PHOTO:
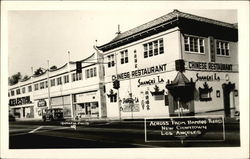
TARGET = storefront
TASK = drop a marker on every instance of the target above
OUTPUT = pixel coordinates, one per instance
(22, 107)
(87, 105)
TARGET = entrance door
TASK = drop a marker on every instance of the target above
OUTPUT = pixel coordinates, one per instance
(23, 112)
(227, 89)
(185, 108)
(87, 109)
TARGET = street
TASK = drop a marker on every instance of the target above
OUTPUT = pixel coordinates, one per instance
(101, 134)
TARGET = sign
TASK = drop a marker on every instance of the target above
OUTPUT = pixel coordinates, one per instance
(211, 48)
(86, 97)
(213, 77)
(130, 104)
(151, 81)
(185, 128)
(140, 72)
(20, 101)
(41, 103)
(209, 66)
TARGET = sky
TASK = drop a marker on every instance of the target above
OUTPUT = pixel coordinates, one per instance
(35, 36)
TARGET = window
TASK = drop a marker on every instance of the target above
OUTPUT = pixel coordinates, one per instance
(222, 48)
(161, 46)
(111, 60)
(59, 80)
(124, 56)
(94, 75)
(87, 73)
(53, 82)
(12, 93)
(42, 85)
(194, 44)
(76, 76)
(153, 48)
(66, 79)
(23, 90)
(8, 94)
(46, 84)
(29, 88)
(145, 46)
(18, 91)
(91, 72)
(36, 86)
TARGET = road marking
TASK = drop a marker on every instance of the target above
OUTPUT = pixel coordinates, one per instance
(35, 129)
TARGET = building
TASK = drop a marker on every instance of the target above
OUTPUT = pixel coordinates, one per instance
(177, 64)
(78, 94)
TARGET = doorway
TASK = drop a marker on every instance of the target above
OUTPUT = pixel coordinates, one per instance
(228, 98)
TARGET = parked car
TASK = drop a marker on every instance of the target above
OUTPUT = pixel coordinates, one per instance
(54, 114)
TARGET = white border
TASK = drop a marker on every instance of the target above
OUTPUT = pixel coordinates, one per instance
(147, 153)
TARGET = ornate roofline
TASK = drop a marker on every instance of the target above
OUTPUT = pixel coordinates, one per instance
(153, 26)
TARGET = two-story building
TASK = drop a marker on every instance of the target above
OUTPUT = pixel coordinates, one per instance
(78, 94)
(176, 64)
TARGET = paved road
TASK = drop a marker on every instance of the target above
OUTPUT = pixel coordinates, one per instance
(126, 134)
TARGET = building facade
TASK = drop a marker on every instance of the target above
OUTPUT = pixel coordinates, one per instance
(177, 64)
(155, 60)
(78, 94)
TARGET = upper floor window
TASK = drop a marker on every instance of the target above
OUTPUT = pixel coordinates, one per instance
(12, 93)
(29, 88)
(59, 80)
(153, 48)
(194, 44)
(8, 94)
(36, 86)
(23, 90)
(42, 85)
(66, 78)
(91, 72)
(111, 60)
(222, 48)
(18, 91)
(46, 84)
(53, 82)
(124, 56)
(76, 76)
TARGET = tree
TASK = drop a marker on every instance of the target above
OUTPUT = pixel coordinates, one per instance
(25, 77)
(39, 71)
(53, 67)
(14, 78)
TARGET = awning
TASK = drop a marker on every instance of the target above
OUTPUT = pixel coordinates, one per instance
(181, 88)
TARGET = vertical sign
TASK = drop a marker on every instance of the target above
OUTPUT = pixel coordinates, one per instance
(211, 47)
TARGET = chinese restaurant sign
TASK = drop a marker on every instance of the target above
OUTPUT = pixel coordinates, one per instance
(209, 66)
(185, 128)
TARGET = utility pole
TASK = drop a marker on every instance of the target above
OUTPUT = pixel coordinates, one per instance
(49, 104)
(70, 82)
(118, 92)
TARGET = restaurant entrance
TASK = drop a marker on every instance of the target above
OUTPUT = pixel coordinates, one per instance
(228, 98)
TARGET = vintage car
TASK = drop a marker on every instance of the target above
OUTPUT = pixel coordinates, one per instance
(54, 114)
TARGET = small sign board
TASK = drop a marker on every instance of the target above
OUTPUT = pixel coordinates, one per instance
(194, 129)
